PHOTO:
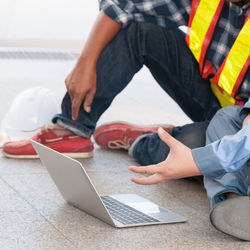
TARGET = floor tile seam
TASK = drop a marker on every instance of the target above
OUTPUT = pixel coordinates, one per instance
(172, 193)
(37, 211)
(197, 212)
(55, 227)
(133, 98)
(19, 194)
(22, 174)
(186, 205)
(107, 171)
(141, 102)
(93, 171)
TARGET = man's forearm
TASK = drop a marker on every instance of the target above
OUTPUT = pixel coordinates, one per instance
(81, 82)
(103, 31)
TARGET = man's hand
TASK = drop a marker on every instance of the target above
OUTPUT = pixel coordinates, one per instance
(178, 164)
(246, 120)
(81, 85)
(81, 82)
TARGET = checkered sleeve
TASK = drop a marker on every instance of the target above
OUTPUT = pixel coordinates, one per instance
(165, 13)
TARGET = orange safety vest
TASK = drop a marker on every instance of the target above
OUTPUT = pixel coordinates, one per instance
(202, 22)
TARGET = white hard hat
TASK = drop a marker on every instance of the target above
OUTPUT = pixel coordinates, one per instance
(30, 109)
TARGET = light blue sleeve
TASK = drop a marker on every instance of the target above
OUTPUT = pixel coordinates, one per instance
(229, 154)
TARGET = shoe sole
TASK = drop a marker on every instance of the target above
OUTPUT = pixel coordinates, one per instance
(72, 155)
(232, 217)
(135, 125)
(98, 133)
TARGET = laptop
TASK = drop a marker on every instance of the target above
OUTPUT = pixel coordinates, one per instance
(118, 210)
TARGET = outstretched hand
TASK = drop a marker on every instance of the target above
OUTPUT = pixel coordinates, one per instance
(178, 164)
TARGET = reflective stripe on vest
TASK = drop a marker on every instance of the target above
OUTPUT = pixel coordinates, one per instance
(203, 19)
(222, 96)
(233, 69)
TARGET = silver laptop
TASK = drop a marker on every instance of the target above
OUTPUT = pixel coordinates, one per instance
(119, 210)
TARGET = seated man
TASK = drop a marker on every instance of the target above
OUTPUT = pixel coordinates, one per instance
(224, 162)
(150, 36)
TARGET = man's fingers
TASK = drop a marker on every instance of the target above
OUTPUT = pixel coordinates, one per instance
(76, 103)
(166, 137)
(152, 169)
(88, 100)
(152, 179)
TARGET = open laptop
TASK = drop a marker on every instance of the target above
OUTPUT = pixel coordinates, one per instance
(119, 210)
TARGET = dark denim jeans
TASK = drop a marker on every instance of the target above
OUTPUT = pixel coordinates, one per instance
(173, 66)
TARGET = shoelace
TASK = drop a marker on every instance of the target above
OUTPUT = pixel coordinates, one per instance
(116, 144)
(44, 127)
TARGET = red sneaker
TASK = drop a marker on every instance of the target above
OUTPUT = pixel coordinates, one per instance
(121, 135)
(71, 145)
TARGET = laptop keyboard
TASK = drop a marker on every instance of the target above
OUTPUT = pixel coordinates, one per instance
(125, 214)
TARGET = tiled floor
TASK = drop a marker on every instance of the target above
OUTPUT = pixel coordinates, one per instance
(33, 215)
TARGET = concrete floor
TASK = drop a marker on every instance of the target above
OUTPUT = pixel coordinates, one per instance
(33, 215)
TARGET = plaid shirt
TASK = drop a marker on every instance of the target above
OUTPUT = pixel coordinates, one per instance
(174, 13)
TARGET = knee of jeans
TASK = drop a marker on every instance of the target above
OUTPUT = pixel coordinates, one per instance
(193, 138)
(147, 152)
(229, 112)
(226, 121)
(192, 135)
